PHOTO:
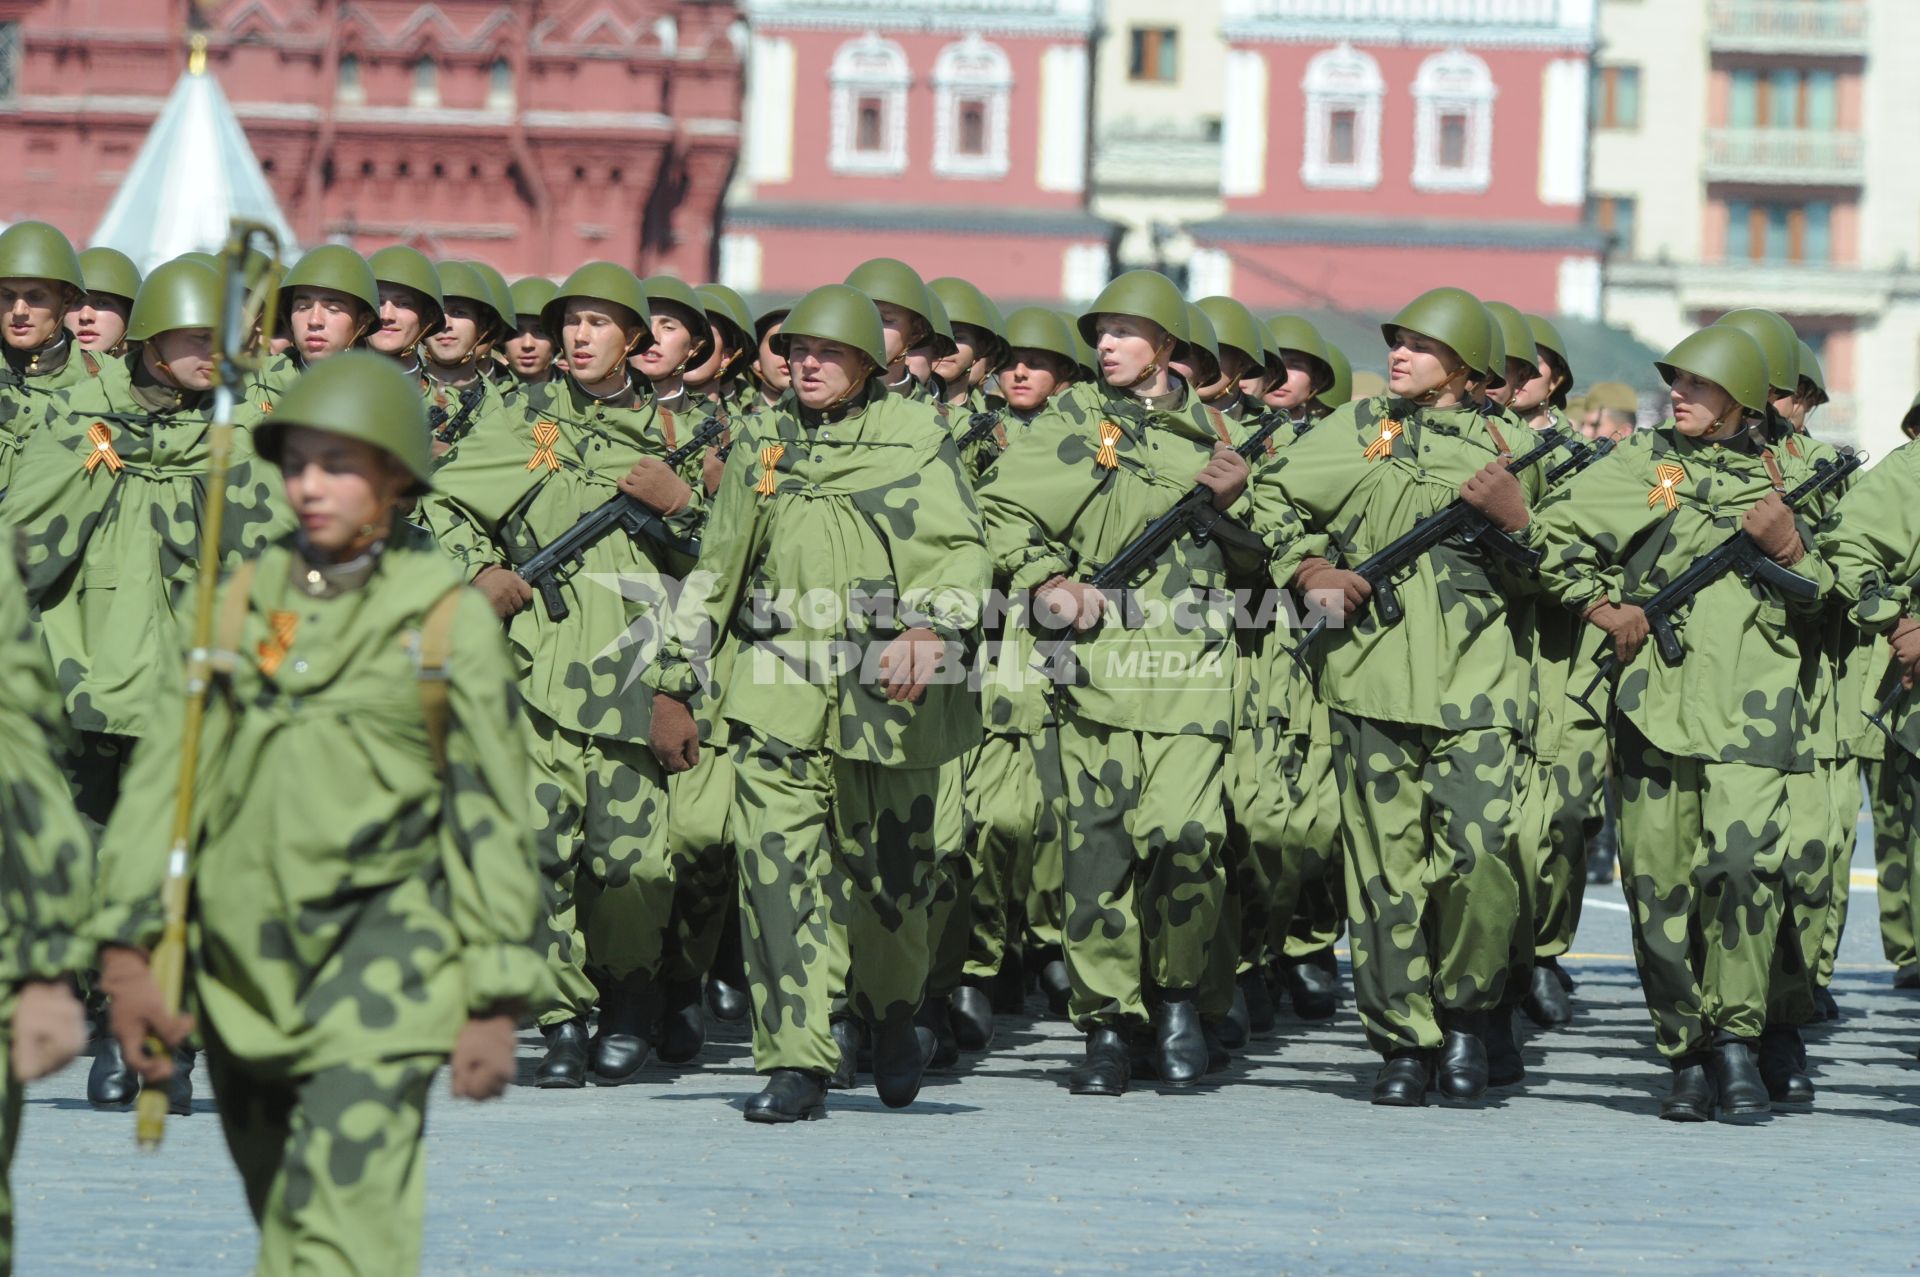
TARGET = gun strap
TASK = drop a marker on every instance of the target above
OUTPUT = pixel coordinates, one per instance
(436, 647)
(1773, 470)
(666, 426)
(1499, 440)
(1220, 425)
(92, 364)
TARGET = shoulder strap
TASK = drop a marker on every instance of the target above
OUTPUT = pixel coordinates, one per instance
(666, 426)
(436, 648)
(1220, 425)
(92, 364)
(1499, 440)
(231, 622)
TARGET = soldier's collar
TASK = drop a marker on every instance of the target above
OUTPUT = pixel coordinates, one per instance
(155, 395)
(43, 360)
(318, 579)
(412, 365)
(1173, 401)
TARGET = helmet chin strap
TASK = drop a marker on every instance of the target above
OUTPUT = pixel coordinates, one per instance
(1428, 399)
(1153, 368)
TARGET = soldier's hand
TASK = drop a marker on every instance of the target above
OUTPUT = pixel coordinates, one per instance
(1627, 625)
(136, 1011)
(49, 1028)
(1072, 603)
(1770, 524)
(654, 485)
(483, 1057)
(1348, 590)
(1496, 493)
(674, 737)
(1904, 639)
(712, 466)
(1225, 475)
(505, 591)
(909, 663)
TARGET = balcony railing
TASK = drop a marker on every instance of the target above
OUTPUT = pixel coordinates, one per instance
(1786, 157)
(1162, 163)
(1831, 27)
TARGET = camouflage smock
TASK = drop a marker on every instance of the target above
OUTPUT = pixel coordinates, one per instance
(27, 389)
(1872, 540)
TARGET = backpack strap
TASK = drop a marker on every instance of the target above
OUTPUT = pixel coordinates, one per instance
(431, 657)
(231, 621)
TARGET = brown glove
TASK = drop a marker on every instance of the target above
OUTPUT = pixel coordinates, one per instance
(712, 466)
(1495, 492)
(136, 1011)
(1770, 524)
(674, 737)
(483, 1057)
(1904, 639)
(1072, 603)
(505, 591)
(909, 662)
(1225, 475)
(654, 485)
(1625, 622)
(49, 1028)
(1339, 590)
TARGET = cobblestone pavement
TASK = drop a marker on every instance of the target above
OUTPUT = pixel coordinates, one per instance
(1280, 1167)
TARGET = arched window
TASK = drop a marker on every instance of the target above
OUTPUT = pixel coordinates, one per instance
(1453, 123)
(1343, 90)
(971, 81)
(500, 95)
(351, 91)
(426, 83)
(870, 80)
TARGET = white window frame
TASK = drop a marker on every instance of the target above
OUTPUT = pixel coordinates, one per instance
(1453, 82)
(868, 67)
(1342, 79)
(971, 70)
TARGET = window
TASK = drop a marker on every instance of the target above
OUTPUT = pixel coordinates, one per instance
(1154, 54)
(500, 95)
(1789, 233)
(1613, 215)
(971, 82)
(1453, 123)
(1616, 98)
(1343, 91)
(9, 59)
(1783, 98)
(426, 83)
(869, 113)
(350, 89)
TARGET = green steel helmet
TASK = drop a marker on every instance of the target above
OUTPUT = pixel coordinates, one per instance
(942, 342)
(502, 294)
(678, 293)
(460, 279)
(601, 281)
(1292, 333)
(767, 319)
(1082, 348)
(887, 279)
(1777, 341)
(530, 297)
(1037, 328)
(1616, 395)
(1144, 294)
(409, 268)
(1548, 342)
(1910, 424)
(35, 250)
(1496, 372)
(1203, 348)
(966, 304)
(110, 271)
(728, 310)
(199, 258)
(335, 267)
(356, 395)
(1727, 356)
(1342, 388)
(1455, 318)
(836, 312)
(1235, 326)
(1812, 374)
(1515, 334)
(177, 295)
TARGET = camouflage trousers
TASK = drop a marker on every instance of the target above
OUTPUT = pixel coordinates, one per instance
(700, 855)
(1143, 868)
(1843, 786)
(93, 770)
(1041, 873)
(1310, 904)
(1703, 849)
(1806, 896)
(804, 821)
(333, 1164)
(949, 913)
(600, 819)
(1573, 785)
(11, 1095)
(1893, 790)
(1432, 872)
(1012, 805)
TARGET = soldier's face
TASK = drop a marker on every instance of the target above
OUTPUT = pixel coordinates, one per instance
(403, 320)
(183, 356)
(459, 334)
(323, 322)
(338, 488)
(1701, 408)
(1296, 388)
(529, 351)
(1254, 385)
(1793, 408)
(958, 368)
(676, 342)
(903, 329)
(920, 363)
(772, 365)
(33, 310)
(1536, 389)
(717, 350)
(98, 321)
(824, 372)
(596, 337)
(1126, 346)
(1501, 394)
(1032, 377)
(1417, 365)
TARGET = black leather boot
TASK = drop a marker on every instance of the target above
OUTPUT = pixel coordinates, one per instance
(180, 1085)
(1402, 1082)
(900, 1052)
(620, 1047)
(846, 1036)
(971, 1018)
(1907, 977)
(1009, 988)
(1237, 1028)
(1783, 1066)
(936, 1017)
(1737, 1082)
(1259, 1000)
(1312, 987)
(1690, 1097)
(1179, 1044)
(1056, 984)
(1462, 1070)
(110, 1083)
(1829, 1009)
(680, 1034)
(565, 1065)
(791, 1095)
(727, 997)
(1104, 1071)
(1547, 1003)
(1504, 1065)
(727, 1002)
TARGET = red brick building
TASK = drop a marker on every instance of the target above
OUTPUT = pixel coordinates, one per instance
(530, 134)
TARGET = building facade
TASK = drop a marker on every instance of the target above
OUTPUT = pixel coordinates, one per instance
(1371, 149)
(1751, 153)
(529, 134)
(952, 134)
